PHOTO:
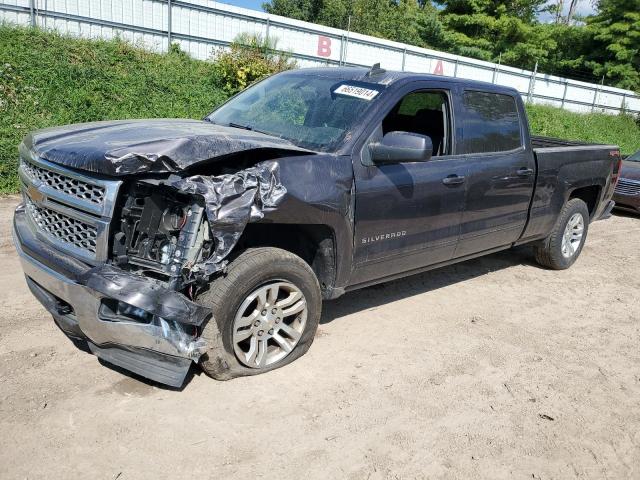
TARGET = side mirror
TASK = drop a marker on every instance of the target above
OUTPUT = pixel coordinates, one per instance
(398, 147)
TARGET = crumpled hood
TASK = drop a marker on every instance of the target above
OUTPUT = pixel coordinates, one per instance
(630, 170)
(157, 146)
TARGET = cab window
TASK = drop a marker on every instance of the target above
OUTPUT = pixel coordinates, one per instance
(490, 123)
(423, 112)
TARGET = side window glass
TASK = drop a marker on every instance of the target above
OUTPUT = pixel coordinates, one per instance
(423, 112)
(490, 123)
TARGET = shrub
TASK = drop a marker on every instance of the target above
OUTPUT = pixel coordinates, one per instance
(249, 58)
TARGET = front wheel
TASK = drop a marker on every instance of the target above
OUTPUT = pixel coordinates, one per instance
(562, 247)
(266, 310)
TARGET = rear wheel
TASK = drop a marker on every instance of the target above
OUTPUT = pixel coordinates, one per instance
(266, 310)
(562, 247)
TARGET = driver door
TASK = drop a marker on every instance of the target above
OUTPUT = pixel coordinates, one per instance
(408, 215)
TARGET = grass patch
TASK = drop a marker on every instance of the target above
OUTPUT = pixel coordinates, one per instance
(48, 79)
(621, 130)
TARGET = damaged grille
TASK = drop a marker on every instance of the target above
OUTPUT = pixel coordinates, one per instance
(68, 209)
(64, 228)
(66, 184)
(628, 187)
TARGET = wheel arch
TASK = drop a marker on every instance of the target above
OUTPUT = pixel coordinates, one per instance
(589, 194)
(314, 243)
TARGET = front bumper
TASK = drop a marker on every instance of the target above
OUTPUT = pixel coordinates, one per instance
(160, 348)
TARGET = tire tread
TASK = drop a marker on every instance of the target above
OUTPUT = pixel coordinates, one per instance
(222, 289)
(548, 253)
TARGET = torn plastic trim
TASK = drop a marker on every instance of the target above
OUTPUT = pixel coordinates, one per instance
(186, 344)
(231, 202)
(171, 312)
(153, 333)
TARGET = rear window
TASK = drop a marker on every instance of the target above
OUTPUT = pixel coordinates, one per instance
(490, 123)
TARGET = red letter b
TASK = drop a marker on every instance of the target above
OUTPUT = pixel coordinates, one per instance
(324, 46)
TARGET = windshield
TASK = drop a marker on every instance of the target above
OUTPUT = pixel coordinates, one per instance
(310, 111)
(634, 158)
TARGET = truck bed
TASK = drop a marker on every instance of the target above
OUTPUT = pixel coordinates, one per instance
(538, 142)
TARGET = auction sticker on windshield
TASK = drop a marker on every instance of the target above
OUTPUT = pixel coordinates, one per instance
(356, 92)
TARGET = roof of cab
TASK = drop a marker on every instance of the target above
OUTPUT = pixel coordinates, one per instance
(391, 77)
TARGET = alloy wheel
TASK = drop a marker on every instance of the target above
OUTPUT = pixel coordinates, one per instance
(269, 324)
(572, 236)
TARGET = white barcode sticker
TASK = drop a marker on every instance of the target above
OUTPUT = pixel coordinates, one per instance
(357, 92)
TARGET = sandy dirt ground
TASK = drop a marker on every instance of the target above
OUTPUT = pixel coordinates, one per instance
(494, 369)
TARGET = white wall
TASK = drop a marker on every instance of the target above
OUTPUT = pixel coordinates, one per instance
(203, 26)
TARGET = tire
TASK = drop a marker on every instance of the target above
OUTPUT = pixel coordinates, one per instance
(259, 270)
(550, 252)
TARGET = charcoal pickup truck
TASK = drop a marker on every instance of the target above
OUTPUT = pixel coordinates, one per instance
(156, 244)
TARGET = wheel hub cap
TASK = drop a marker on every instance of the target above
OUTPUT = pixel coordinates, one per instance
(572, 236)
(269, 324)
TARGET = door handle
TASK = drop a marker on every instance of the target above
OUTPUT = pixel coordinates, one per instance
(525, 172)
(453, 180)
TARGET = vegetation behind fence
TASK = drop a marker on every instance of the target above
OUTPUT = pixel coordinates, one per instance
(47, 79)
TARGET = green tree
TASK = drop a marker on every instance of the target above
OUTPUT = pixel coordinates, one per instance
(298, 9)
(615, 49)
(412, 22)
(488, 29)
(568, 59)
(525, 10)
(408, 21)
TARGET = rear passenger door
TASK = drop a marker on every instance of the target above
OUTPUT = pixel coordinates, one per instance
(501, 170)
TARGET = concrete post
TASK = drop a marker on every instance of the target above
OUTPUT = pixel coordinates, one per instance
(32, 9)
(595, 94)
(564, 94)
(532, 82)
(496, 69)
(346, 42)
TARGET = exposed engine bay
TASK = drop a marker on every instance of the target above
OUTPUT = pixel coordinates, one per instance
(180, 230)
(161, 233)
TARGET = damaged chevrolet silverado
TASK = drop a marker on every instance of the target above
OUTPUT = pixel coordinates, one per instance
(156, 244)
